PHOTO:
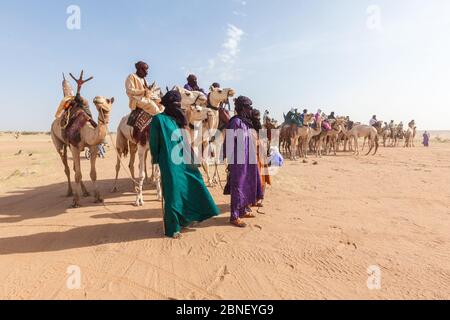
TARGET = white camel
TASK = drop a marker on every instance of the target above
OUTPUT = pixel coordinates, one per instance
(204, 124)
(364, 131)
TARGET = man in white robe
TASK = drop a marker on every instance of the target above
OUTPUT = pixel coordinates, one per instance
(140, 94)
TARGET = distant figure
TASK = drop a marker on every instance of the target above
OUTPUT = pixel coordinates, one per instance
(426, 139)
(373, 121)
(216, 85)
(101, 150)
(332, 116)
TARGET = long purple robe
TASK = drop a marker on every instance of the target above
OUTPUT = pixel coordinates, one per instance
(244, 183)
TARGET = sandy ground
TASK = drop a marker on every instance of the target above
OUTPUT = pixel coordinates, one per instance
(324, 226)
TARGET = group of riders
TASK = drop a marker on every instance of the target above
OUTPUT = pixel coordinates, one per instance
(389, 130)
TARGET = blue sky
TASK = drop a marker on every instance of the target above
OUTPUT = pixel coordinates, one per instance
(354, 57)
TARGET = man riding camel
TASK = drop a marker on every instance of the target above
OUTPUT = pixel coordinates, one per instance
(373, 121)
(139, 92)
(192, 85)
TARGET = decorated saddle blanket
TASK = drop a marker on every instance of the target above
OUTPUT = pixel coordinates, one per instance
(326, 126)
(140, 121)
(72, 121)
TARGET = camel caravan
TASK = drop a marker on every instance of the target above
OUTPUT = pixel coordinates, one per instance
(208, 115)
(319, 134)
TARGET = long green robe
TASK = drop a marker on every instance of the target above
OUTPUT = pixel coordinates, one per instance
(187, 199)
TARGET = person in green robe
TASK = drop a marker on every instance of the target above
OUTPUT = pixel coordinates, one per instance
(187, 199)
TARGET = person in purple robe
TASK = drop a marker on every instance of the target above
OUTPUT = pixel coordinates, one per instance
(192, 85)
(426, 139)
(244, 182)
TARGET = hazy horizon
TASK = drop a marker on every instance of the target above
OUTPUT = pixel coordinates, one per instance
(356, 58)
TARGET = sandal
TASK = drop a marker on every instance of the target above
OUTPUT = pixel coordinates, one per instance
(177, 236)
(239, 223)
(249, 216)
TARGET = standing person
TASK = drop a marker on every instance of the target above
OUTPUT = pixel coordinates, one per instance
(139, 92)
(426, 139)
(262, 152)
(187, 200)
(192, 84)
(244, 183)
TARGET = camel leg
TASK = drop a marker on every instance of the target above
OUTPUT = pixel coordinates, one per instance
(84, 190)
(93, 174)
(63, 154)
(78, 177)
(147, 180)
(139, 194)
(115, 189)
(293, 149)
(157, 177)
(334, 143)
(133, 151)
(356, 146)
(205, 165)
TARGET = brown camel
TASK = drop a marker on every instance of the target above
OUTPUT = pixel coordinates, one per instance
(327, 140)
(290, 135)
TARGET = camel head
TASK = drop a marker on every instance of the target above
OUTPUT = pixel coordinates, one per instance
(339, 124)
(104, 107)
(218, 95)
(197, 113)
(309, 119)
(190, 98)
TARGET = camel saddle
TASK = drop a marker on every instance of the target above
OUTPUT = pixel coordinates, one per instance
(72, 121)
(140, 121)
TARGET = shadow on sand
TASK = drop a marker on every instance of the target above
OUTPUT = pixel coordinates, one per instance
(49, 201)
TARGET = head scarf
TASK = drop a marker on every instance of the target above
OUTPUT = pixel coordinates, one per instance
(172, 103)
(192, 82)
(256, 119)
(243, 106)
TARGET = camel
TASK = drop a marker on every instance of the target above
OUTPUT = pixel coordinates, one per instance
(410, 135)
(204, 120)
(305, 141)
(380, 130)
(125, 144)
(290, 135)
(364, 131)
(90, 138)
(329, 139)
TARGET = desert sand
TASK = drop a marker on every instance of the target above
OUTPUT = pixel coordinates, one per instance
(324, 226)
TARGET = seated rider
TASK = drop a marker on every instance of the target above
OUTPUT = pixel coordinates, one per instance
(317, 118)
(302, 117)
(332, 116)
(139, 92)
(192, 85)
